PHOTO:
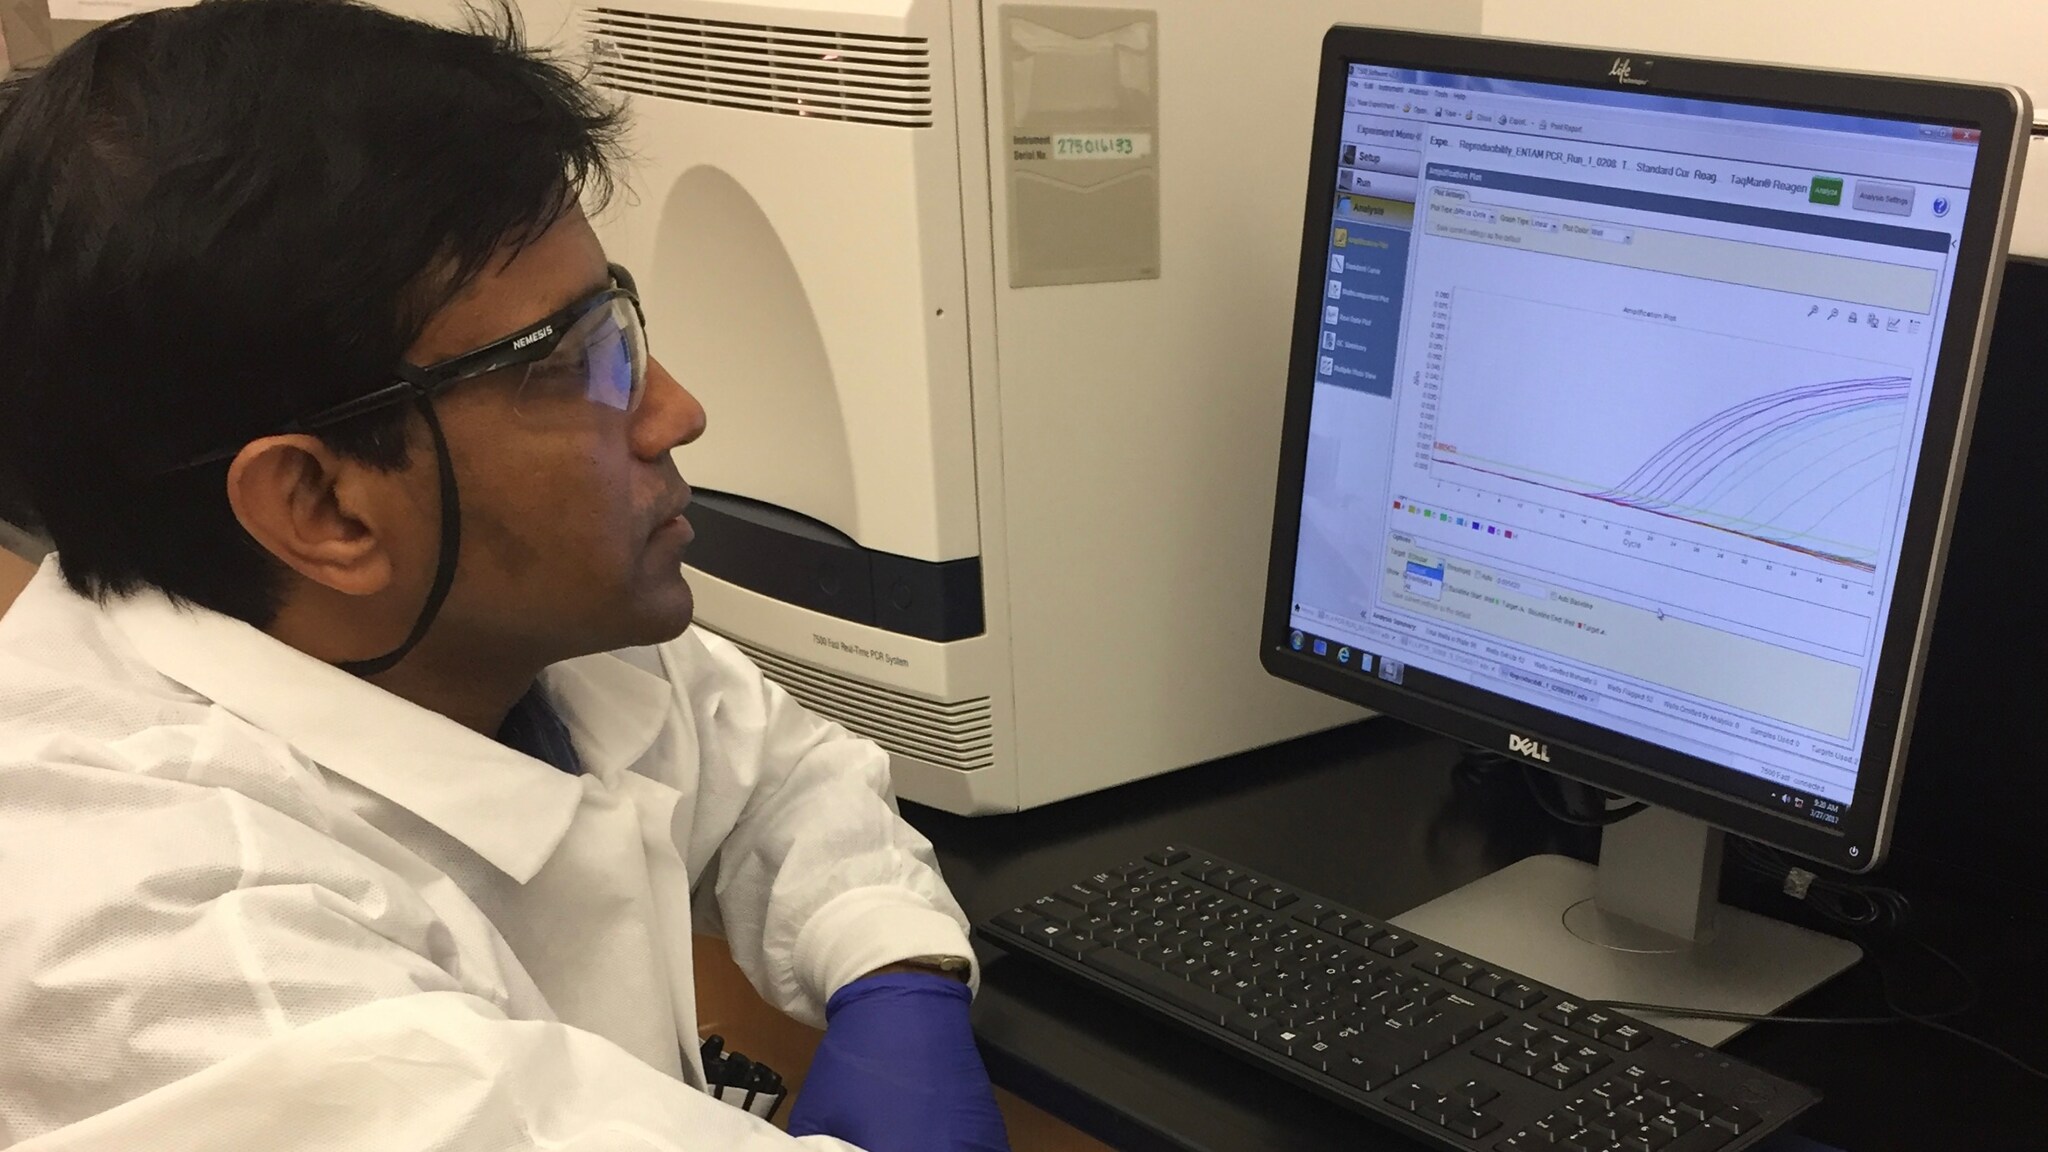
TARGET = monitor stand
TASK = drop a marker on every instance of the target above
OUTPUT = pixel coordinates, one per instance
(1647, 925)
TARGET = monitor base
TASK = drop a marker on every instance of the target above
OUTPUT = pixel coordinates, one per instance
(1545, 918)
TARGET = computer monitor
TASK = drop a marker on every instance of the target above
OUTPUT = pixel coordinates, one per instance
(1626, 414)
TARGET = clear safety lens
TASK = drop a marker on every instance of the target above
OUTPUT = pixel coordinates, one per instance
(601, 360)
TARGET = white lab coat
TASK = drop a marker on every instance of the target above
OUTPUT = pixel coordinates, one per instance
(248, 901)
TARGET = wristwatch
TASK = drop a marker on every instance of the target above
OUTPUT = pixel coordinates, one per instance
(958, 967)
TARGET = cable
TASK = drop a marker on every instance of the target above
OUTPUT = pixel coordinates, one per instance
(1898, 1015)
(1555, 812)
(1852, 905)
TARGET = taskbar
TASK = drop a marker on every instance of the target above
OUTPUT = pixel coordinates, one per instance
(1352, 657)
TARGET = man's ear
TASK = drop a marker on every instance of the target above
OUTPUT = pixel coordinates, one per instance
(314, 511)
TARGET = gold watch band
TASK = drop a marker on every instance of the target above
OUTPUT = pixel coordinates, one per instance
(956, 966)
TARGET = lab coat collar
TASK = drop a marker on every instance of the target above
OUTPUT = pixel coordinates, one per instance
(614, 710)
(504, 805)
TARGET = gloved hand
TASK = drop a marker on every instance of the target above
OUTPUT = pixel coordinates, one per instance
(898, 1071)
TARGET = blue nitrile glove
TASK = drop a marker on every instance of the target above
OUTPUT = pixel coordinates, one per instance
(898, 1070)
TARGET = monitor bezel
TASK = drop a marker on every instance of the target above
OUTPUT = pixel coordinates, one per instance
(1622, 764)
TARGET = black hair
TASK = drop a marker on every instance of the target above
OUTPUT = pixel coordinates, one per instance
(218, 218)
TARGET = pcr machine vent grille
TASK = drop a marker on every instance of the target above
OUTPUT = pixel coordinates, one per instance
(853, 76)
(959, 736)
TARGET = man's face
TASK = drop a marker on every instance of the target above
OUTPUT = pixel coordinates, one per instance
(572, 534)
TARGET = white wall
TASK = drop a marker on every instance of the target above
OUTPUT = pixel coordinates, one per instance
(2001, 40)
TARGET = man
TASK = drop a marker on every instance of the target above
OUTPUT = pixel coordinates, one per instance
(360, 781)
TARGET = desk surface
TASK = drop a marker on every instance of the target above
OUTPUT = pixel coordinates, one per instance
(1374, 817)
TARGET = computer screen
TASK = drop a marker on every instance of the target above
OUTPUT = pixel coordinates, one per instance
(1612, 414)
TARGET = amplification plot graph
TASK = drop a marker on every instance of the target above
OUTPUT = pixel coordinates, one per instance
(1789, 447)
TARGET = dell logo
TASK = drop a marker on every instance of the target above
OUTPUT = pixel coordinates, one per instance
(530, 337)
(1623, 71)
(1523, 746)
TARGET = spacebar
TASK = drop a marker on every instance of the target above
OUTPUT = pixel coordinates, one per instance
(1165, 985)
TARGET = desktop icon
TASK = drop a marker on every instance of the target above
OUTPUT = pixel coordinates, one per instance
(1811, 311)
(1342, 238)
(1327, 365)
(1852, 315)
(1343, 655)
(1834, 312)
(1329, 340)
(1941, 205)
(1873, 319)
(1322, 647)
(1337, 262)
(1391, 670)
(1294, 638)
(1337, 289)
(1330, 314)
(1365, 661)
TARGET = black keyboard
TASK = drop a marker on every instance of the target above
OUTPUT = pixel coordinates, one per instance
(1457, 1050)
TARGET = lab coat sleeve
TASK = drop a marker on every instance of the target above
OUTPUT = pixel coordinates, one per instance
(187, 968)
(818, 880)
(434, 1072)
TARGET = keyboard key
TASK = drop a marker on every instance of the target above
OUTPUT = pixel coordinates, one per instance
(1641, 1138)
(1469, 1124)
(1486, 983)
(1563, 1012)
(1016, 919)
(1475, 1093)
(1167, 857)
(1411, 1096)
(1243, 886)
(1459, 972)
(1665, 1092)
(1393, 944)
(1605, 1125)
(1044, 930)
(1499, 1050)
(1363, 933)
(1104, 882)
(1435, 960)
(1594, 1024)
(1634, 1077)
(1697, 1104)
(1247, 1025)
(1071, 943)
(1308, 913)
(1627, 1037)
(1054, 908)
(1735, 1120)
(1521, 995)
(1706, 1138)
(1523, 1141)
(1222, 877)
(1674, 1122)
(1274, 898)
(1559, 1075)
(1286, 1040)
(1083, 895)
(1361, 1071)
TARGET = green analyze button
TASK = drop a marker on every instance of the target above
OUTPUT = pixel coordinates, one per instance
(1826, 190)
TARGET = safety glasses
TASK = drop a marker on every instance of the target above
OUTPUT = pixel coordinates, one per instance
(592, 352)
